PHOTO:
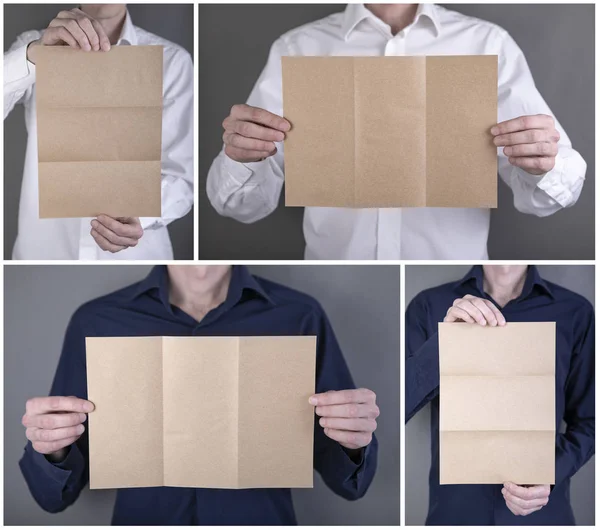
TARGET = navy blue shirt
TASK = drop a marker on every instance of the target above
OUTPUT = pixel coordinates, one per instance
(540, 301)
(253, 306)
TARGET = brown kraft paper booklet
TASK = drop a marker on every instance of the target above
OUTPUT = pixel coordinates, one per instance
(376, 132)
(99, 131)
(201, 412)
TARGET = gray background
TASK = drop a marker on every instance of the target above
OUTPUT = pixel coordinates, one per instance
(578, 278)
(363, 304)
(564, 74)
(174, 22)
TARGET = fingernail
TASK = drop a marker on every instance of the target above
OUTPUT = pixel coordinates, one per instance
(494, 323)
(312, 400)
(94, 223)
(495, 130)
(280, 137)
(80, 429)
(482, 322)
(88, 406)
(285, 125)
(322, 422)
(82, 417)
(508, 150)
(496, 140)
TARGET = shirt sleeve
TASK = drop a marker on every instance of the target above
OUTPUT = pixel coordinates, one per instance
(348, 477)
(518, 96)
(19, 73)
(177, 168)
(576, 446)
(422, 359)
(249, 192)
(55, 486)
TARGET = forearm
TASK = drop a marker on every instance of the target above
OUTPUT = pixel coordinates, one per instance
(245, 192)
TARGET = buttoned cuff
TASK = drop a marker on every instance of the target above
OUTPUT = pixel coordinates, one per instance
(554, 183)
(238, 174)
(62, 471)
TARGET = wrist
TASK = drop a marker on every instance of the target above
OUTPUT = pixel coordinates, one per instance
(58, 456)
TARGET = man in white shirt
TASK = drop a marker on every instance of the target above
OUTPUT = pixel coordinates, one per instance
(94, 28)
(535, 157)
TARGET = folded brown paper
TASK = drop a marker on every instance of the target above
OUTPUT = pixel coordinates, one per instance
(99, 126)
(390, 131)
(201, 412)
(497, 403)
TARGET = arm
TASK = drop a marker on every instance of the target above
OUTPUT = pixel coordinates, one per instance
(55, 486)
(576, 446)
(19, 73)
(249, 191)
(557, 181)
(346, 471)
(422, 347)
(422, 372)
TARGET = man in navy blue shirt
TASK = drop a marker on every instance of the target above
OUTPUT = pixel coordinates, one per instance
(491, 296)
(200, 301)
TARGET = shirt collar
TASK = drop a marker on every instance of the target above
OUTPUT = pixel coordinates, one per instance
(128, 33)
(532, 280)
(356, 13)
(241, 282)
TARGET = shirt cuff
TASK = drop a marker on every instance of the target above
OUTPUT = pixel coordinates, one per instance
(59, 472)
(552, 183)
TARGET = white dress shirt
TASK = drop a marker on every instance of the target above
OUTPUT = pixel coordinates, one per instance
(248, 192)
(70, 238)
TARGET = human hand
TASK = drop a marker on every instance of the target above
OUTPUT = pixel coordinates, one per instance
(116, 234)
(250, 133)
(72, 28)
(523, 500)
(475, 310)
(347, 416)
(531, 142)
(54, 423)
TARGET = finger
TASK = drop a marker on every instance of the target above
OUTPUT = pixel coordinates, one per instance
(523, 503)
(250, 144)
(124, 227)
(516, 510)
(489, 315)
(260, 116)
(60, 34)
(111, 236)
(456, 313)
(536, 164)
(340, 397)
(349, 424)
(104, 243)
(539, 149)
(522, 123)
(53, 421)
(472, 310)
(352, 440)
(71, 25)
(42, 405)
(86, 25)
(244, 155)
(530, 136)
(531, 492)
(52, 435)
(497, 313)
(253, 130)
(348, 410)
(51, 447)
(104, 42)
